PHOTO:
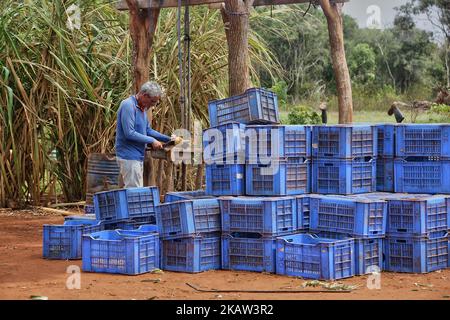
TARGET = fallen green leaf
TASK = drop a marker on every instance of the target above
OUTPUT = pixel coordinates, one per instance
(157, 271)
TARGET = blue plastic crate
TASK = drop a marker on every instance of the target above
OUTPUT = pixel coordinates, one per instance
(227, 140)
(358, 217)
(368, 253)
(416, 254)
(344, 141)
(192, 254)
(265, 142)
(188, 217)
(386, 140)
(308, 256)
(186, 195)
(303, 212)
(121, 251)
(266, 216)
(128, 224)
(385, 174)
(225, 180)
(418, 216)
(290, 176)
(343, 176)
(422, 175)
(63, 242)
(248, 252)
(126, 203)
(423, 140)
(256, 105)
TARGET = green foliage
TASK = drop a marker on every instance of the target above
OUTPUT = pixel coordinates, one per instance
(362, 64)
(60, 88)
(441, 109)
(303, 115)
(281, 88)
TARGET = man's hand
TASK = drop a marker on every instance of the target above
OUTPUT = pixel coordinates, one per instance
(157, 145)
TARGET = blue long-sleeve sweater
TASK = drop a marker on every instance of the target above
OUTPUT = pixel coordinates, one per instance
(134, 131)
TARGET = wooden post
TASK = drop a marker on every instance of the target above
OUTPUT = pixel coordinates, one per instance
(143, 24)
(142, 29)
(235, 16)
(333, 14)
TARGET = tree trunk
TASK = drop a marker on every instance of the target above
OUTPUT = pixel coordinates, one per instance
(235, 15)
(199, 177)
(142, 29)
(447, 62)
(143, 24)
(333, 14)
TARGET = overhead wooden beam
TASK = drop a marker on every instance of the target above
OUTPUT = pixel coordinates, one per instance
(144, 4)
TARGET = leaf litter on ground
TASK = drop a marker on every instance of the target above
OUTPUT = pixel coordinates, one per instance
(335, 286)
(159, 271)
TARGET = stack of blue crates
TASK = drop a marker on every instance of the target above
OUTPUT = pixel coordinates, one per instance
(344, 159)
(385, 158)
(125, 209)
(250, 226)
(351, 217)
(224, 154)
(190, 227)
(278, 160)
(422, 163)
(417, 233)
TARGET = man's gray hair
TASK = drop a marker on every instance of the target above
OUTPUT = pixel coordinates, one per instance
(152, 89)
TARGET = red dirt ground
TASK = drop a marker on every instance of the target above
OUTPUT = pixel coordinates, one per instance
(23, 273)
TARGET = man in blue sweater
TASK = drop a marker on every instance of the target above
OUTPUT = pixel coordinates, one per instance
(134, 133)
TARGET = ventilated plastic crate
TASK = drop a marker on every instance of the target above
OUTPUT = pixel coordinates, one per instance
(419, 216)
(225, 180)
(303, 212)
(256, 105)
(386, 140)
(126, 203)
(349, 215)
(266, 216)
(344, 141)
(192, 254)
(188, 217)
(423, 140)
(343, 176)
(128, 224)
(274, 141)
(121, 251)
(422, 175)
(186, 195)
(308, 256)
(63, 242)
(416, 254)
(368, 253)
(385, 174)
(227, 140)
(248, 252)
(290, 176)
